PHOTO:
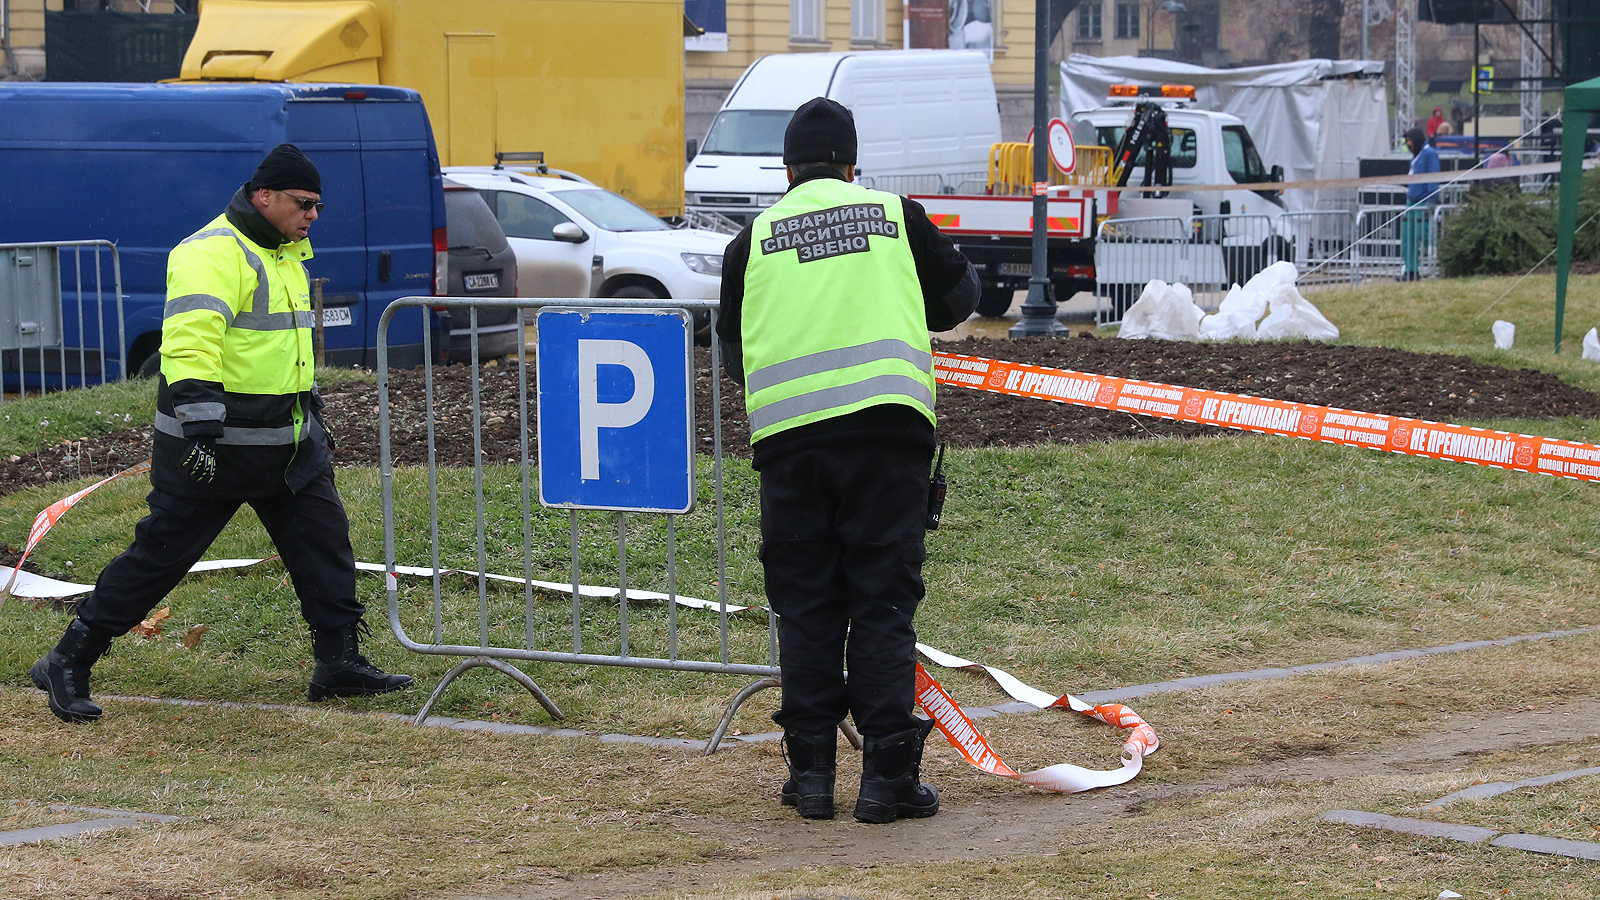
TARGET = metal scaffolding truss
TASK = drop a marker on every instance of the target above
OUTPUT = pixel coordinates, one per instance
(1535, 38)
(1539, 72)
(1405, 70)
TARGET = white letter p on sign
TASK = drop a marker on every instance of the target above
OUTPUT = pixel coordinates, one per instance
(594, 415)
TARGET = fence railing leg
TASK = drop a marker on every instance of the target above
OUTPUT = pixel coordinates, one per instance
(733, 708)
(850, 734)
(473, 662)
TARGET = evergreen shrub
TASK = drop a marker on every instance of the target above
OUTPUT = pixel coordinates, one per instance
(1499, 231)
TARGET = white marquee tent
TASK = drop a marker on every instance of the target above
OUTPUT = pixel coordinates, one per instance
(1317, 118)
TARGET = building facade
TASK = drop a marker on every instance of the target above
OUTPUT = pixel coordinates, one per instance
(22, 28)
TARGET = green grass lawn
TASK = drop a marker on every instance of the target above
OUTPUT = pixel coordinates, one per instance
(1076, 568)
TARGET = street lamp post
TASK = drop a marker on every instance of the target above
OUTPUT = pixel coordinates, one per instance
(1039, 309)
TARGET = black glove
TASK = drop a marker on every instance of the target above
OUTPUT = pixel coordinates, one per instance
(201, 461)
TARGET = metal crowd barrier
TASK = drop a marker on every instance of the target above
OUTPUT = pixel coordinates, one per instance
(61, 324)
(1322, 243)
(1011, 168)
(952, 183)
(1379, 248)
(1207, 253)
(486, 628)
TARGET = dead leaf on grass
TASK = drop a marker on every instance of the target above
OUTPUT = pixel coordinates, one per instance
(191, 638)
(151, 627)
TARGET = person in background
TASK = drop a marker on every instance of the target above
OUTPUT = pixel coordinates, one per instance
(1416, 221)
(238, 420)
(1434, 121)
(827, 301)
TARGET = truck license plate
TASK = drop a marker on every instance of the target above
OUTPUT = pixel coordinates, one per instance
(488, 281)
(336, 315)
(1016, 268)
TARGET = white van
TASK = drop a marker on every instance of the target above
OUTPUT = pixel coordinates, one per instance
(925, 120)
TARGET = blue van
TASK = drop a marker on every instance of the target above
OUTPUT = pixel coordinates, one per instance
(145, 165)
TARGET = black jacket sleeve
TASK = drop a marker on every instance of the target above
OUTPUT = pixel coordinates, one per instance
(735, 259)
(949, 283)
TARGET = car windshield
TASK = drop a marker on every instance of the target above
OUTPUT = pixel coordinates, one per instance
(748, 132)
(612, 211)
(1244, 163)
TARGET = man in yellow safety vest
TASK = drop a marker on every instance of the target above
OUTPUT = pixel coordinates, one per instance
(827, 301)
(238, 420)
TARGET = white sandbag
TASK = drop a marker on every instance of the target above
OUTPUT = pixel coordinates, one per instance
(1259, 289)
(1293, 316)
(1164, 311)
(1235, 318)
(1505, 334)
(1591, 344)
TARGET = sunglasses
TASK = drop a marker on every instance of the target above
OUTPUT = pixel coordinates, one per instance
(305, 203)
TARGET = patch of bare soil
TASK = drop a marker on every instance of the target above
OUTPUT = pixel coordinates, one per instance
(1370, 379)
(1032, 822)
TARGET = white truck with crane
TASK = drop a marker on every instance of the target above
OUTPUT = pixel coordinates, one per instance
(1104, 239)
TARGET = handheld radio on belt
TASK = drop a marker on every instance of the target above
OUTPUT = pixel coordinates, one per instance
(936, 489)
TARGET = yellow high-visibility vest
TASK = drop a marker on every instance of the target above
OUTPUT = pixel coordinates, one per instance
(833, 319)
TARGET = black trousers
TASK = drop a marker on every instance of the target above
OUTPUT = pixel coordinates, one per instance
(309, 528)
(842, 531)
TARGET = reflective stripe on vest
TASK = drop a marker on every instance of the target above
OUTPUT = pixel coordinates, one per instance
(259, 316)
(259, 437)
(827, 360)
(833, 318)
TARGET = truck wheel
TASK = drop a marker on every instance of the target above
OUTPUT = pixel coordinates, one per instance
(994, 301)
(150, 367)
(1067, 288)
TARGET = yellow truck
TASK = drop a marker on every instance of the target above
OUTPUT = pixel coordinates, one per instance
(595, 85)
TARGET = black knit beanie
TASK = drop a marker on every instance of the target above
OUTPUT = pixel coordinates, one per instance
(286, 168)
(822, 130)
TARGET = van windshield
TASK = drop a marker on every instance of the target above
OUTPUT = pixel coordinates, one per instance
(612, 211)
(748, 132)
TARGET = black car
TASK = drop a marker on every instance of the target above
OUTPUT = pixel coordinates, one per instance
(482, 264)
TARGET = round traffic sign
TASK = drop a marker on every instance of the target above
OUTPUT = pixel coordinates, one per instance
(1062, 152)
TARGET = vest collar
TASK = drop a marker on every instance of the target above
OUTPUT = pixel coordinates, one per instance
(243, 215)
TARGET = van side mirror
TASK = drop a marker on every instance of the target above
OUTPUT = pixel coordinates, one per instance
(569, 232)
(691, 147)
(1277, 173)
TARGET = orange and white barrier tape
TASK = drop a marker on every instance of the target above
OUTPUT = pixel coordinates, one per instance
(51, 514)
(1328, 424)
(931, 696)
(1065, 778)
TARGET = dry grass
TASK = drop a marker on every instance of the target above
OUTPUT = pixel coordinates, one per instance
(334, 804)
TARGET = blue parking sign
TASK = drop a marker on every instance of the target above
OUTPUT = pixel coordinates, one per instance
(616, 409)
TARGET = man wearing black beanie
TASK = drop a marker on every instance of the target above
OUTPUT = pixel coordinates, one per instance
(238, 420)
(827, 301)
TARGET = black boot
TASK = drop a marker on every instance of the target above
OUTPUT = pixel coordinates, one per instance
(891, 769)
(64, 672)
(341, 669)
(811, 759)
